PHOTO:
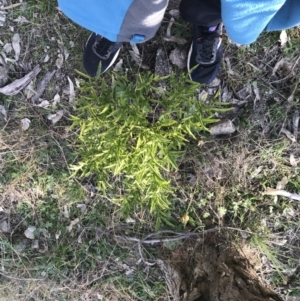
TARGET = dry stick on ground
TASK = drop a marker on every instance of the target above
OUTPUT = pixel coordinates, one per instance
(66, 162)
(142, 256)
(61, 150)
(179, 236)
(11, 6)
(25, 279)
(271, 191)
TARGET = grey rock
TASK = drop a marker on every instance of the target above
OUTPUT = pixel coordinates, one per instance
(162, 66)
(178, 57)
(223, 127)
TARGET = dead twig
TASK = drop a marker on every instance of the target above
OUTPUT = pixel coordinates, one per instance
(296, 124)
(143, 258)
(178, 236)
(62, 151)
(271, 191)
(288, 134)
(22, 279)
(10, 6)
(168, 37)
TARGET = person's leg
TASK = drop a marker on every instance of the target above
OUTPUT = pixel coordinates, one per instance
(139, 24)
(201, 12)
(117, 20)
(205, 53)
(286, 17)
(112, 23)
(245, 20)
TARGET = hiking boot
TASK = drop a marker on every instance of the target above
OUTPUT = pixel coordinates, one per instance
(99, 50)
(205, 53)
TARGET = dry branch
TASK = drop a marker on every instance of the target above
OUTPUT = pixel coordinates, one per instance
(271, 191)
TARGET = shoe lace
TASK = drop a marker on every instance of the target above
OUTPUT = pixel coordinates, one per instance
(207, 46)
(103, 47)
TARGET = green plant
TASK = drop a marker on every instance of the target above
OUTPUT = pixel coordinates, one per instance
(270, 252)
(132, 132)
(42, 6)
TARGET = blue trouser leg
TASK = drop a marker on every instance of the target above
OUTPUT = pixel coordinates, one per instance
(117, 20)
(245, 20)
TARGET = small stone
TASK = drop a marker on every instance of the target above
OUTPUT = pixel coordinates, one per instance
(179, 58)
(130, 221)
(7, 48)
(4, 227)
(174, 13)
(29, 233)
(35, 244)
(215, 83)
(223, 127)
(244, 93)
(162, 66)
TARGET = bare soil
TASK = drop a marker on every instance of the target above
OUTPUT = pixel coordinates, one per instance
(213, 270)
